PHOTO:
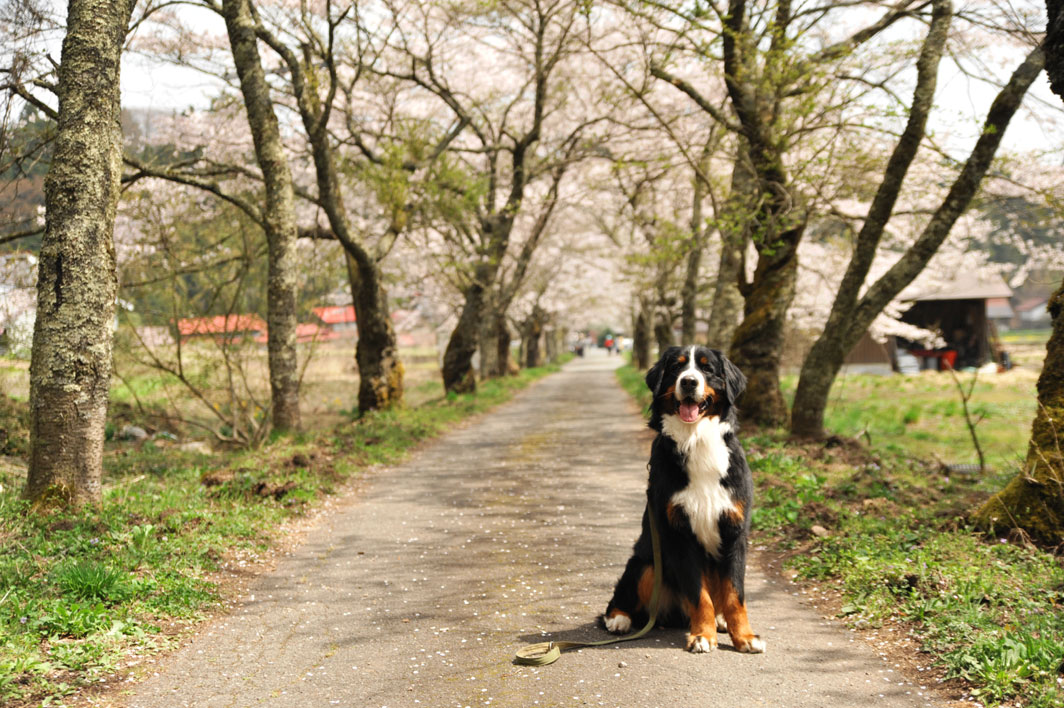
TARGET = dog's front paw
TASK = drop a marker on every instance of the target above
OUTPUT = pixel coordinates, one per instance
(700, 643)
(754, 645)
(617, 622)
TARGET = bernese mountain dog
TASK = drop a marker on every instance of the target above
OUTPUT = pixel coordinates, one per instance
(700, 490)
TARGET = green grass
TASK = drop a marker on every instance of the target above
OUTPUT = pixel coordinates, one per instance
(987, 611)
(922, 415)
(79, 591)
(899, 550)
(1026, 336)
(634, 382)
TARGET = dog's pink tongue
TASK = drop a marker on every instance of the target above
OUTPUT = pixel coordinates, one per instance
(688, 412)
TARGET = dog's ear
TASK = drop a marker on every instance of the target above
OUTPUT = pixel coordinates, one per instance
(734, 380)
(657, 372)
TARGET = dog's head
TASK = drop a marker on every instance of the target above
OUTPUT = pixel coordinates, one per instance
(692, 383)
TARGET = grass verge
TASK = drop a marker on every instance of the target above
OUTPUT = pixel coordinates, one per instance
(922, 415)
(84, 595)
(892, 552)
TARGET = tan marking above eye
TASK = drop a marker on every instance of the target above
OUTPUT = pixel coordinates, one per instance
(682, 359)
(703, 360)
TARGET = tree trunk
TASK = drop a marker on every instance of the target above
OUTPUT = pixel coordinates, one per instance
(727, 305)
(550, 342)
(825, 359)
(380, 371)
(506, 366)
(689, 292)
(641, 336)
(1034, 499)
(663, 313)
(489, 339)
(279, 217)
(663, 334)
(727, 308)
(77, 282)
(757, 344)
(1054, 46)
(776, 221)
(458, 373)
(533, 331)
(558, 337)
(851, 317)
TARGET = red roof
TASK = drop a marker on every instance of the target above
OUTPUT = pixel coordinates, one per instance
(1030, 304)
(306, 332)
(336, 315)
(220, 324)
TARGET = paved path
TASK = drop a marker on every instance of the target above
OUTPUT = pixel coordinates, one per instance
(514, 526)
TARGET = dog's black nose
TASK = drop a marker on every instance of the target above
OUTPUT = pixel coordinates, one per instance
(688, 383)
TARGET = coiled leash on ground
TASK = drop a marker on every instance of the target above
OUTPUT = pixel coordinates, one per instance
(545, 653)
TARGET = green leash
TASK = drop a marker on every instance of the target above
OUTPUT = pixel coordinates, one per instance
(548, 652)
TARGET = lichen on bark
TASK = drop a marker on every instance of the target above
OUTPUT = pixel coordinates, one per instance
(1034, 500)
(70, 367)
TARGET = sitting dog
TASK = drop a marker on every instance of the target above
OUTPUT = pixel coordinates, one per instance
(700, 490)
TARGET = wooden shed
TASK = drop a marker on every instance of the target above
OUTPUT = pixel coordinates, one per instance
(869, 356)
(957, 311)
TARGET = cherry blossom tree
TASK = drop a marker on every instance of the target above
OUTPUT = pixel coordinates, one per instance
(853, 312)
(70, 369)
(536, 114)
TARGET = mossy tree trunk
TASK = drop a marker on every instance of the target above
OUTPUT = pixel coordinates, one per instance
(777, 223)
(663, 333)
(1034, 499)
(757, 343)
(775, 217)
(279, 219)
(77, 283)
(550, 344)
(458, 373)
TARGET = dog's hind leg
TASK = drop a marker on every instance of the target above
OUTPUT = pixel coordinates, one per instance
(627, 606)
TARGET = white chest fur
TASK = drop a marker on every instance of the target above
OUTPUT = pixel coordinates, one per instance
(704, 499)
